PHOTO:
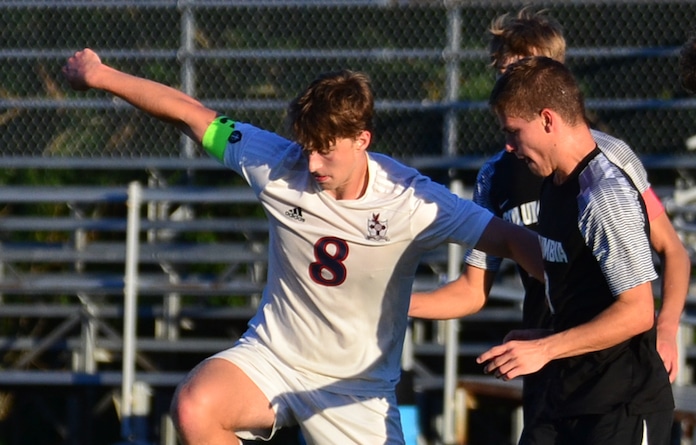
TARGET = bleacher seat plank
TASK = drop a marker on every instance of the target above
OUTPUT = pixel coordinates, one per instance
(37, 224)
(114, 310)
(110, 284)
(63, 194)
(115, 252)
(13, 378)
(486, 385)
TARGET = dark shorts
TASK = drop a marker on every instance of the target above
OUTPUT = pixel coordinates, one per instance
(612, 428)
(534, 392)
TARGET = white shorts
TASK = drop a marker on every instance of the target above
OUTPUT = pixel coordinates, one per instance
(324, 417)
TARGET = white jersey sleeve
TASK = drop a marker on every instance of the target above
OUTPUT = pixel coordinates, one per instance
(607, 205)
(619, 153)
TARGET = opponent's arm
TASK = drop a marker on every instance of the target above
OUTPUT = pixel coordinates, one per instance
(85, 70)
(676, 271)
(464, 296)
(630, 315)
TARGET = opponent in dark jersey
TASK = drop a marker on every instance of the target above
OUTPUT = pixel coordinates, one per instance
(607, 383)
(507, 188)
(591, 255)
(511, 191)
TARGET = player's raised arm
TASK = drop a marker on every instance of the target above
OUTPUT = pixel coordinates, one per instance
(85, 70)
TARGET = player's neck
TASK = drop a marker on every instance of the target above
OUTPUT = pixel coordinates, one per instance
(573, 150)
(354, 189)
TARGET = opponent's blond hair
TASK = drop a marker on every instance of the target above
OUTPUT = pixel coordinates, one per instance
(526, 34)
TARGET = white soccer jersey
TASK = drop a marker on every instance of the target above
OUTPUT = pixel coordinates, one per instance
(340, 271)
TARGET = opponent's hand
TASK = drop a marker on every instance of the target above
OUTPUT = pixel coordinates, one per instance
(78, 68)
(513, 359)
(667, 348)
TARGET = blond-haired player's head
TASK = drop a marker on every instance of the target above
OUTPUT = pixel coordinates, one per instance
(525, 34)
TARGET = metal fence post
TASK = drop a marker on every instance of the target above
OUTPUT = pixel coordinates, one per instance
(455, 251)
(130, 307)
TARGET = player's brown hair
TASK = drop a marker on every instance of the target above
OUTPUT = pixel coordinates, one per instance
(337, 104)
(534, 83)
(523, 35)
(687, 64)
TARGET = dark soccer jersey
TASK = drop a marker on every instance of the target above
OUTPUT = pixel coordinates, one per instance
(594, 236)
(507, 187)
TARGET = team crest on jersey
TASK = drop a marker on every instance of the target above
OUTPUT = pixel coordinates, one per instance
(377, 229)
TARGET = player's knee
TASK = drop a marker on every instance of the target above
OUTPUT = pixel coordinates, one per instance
(190, 410)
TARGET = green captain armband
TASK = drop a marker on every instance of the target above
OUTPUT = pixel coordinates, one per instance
(217, 135)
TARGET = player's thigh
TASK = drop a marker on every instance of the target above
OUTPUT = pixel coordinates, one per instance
(352, 420)
(220, 389)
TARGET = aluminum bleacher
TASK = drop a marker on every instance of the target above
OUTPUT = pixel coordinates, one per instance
(68, 272)
(65, 264)
(194, 282)
(123, 289)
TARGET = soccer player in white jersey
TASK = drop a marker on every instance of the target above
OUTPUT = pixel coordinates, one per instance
(606, 381)
(347, 230)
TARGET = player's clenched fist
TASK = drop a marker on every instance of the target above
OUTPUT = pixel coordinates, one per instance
(79, 66)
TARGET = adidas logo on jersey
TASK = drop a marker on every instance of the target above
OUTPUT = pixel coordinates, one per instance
(295, 213)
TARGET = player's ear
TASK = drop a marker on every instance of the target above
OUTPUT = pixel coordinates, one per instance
(362, 140)
(547, 119)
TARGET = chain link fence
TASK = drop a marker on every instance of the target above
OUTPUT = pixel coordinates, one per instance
(427, 59)
(249, 58)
